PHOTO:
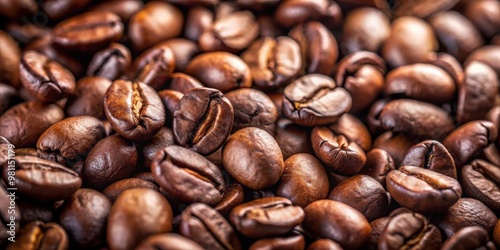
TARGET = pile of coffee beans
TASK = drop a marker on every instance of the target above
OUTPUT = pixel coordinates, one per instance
(249, 124)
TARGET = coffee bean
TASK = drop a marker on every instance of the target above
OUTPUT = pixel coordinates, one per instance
(253, 158)
(378, 226)
(378, 164)
(183, 83)
(423, 190)
(155, 22)
(252, 108)
(199, 19)
(315, 100)
(42, 180)
(8, 97)
(178, 170)
(324, 244)
(111, 62)
(84, 216)
(137, 214)
(273, 62)
(183, 49)
(220, 70)
(292, 138)
(111, 159)
(39, 235)
(168, 241)
(44, 78)
(431, 155)
(294, 242)
(153, 66)
(290, 13)
(134, 110)
(148, 149)
(208, 228)
(11, 56)
(336, 221)
(304, 180)
(88, 99)
(16, 10)
(363, 193)
(341, 155)
(58, 10)
(124, 9)
(203, 119)
(395, 144)
(425, 8)
(114, 190)
(90, 31)
(364, 29)
(353, 129)
(480, 181)
(487, 55)
(473, 237)
(55, 143)
(233, 196)
(410, 229)
(266, 217)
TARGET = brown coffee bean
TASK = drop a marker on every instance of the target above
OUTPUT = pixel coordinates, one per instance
(124, 9)
(137, 214)
(364, 29)
(290, 13)
(336, 221)
(423, 8)
(8, 97)
(203, 120)
(134, 110)
(44, 78)
(292, 138)
(253, 158)
(183, 49)
(266, 217)
(169, 241)
(480, 180)
(473, 237)
(233, 196)
(294, 242)
(431, 155)
(183, 83)
(378, 164)
(395, 144)
(58, 10)
(116, 189)
(40, 235)
(88, 98)
(148, 149)
(111, 62)
(10, 58)
(423, 190)
(91, 31)
(153, 66)
(324, 244)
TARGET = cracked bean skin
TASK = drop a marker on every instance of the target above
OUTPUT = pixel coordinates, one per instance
(423, 190)
(203, 120)
(44, 78)
(188, 176)
(314, 99)
(134, 110)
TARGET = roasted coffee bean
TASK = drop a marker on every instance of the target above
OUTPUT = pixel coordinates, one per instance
(456, 33)
(91, 31)
(208, 228)
(469, 140)
(292, 138)
(324, 244)
(10, 55)
(137, 214)
(253, 158)
(336, 221)
(170, 241)
(18, 9)
(449, 64)
(318, 47)
(431, 155)
(187, 175)
(44, 78)
(353, 129)
(124, 9)
(363, 193)
(378, 164)
(31, 211)
(203, 120)
(153, 67)
(419, 120)
(220, 70)
(134, 110)
(373, 117)
(362, 75)
(111, 62)
(165, 137)
(423, 82)
(199, 19)
(410, 230)
(252, 108)
(84, 216)
(233, 196)
(290, 13)
(487, 55)
(315, 100)
(364, 29)
(304, 180)
(57, 10)
(10, 215)
(111, 159)
(170, 99)
(423, 190)
(473, 237)
(273, 62)
(395, 144)
(231, 32)
(480, 180)
(8, 97)
(155, 22)
(183, 83)
(183, 49)
(466, 212)
(40, 179)
(266, 217)
(39, 235)
(484, 15)
(411, 41)
(6, 149)
(114, 190)
(268, 27)
(341, 155)
(71, 139)
(424, 8)
(378, 226)
(477, 92)
(88, 98)
(294, 242)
